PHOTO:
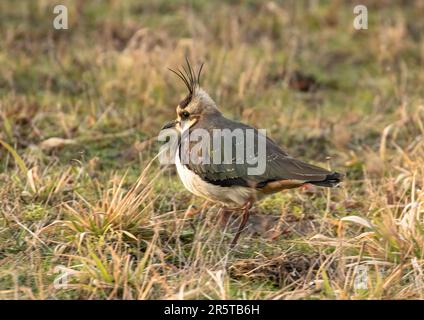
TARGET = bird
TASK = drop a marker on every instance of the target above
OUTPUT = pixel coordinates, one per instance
(229, 183)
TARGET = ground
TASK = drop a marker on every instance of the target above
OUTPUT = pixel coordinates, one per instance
(87, 213)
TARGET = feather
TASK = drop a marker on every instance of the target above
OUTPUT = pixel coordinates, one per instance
(279, 165)
(190, 80)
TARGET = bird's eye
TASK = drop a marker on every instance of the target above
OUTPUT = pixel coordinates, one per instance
(185, 114)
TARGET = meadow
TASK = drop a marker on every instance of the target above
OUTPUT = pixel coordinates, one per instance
(87, 212)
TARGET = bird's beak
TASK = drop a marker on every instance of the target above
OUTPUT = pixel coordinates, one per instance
(170, 124)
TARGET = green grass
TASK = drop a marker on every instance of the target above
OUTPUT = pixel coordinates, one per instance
(103, 88)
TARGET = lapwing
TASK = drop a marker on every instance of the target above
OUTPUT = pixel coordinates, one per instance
(230, 183)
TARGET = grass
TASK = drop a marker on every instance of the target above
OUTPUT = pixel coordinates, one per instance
(88, 213)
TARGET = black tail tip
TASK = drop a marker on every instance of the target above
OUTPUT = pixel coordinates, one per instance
(332, 180)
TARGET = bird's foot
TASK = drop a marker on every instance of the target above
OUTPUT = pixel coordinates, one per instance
(245, 216)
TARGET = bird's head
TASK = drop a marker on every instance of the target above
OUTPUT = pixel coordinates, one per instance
(197, 103)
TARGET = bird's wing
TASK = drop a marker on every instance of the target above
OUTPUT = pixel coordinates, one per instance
(279, 165)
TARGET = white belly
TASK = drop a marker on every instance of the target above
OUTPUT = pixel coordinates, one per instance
(227, 195)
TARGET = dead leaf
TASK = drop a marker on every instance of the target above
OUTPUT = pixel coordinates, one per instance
(54, 143)
(33, 178)
(358, 220)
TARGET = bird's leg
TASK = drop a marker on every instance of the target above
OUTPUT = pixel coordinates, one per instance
(244, 218)
(224, 215)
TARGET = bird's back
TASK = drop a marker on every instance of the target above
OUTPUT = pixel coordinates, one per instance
(279, 166)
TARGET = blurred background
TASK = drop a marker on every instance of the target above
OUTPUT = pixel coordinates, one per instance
(298, 68)
(80, 109)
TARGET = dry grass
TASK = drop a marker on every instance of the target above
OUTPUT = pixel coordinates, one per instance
(82, 199)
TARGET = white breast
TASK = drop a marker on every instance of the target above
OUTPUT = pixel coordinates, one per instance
(227, 195)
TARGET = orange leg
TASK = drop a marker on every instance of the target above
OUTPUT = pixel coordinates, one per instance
(244, 218)
(222, 216)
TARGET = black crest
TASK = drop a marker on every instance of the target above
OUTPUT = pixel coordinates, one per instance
(190, 79)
